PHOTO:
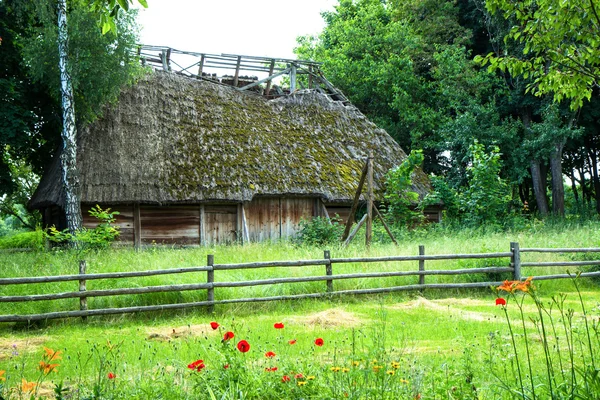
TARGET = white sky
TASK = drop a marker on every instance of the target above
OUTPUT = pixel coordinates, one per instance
(256, 28)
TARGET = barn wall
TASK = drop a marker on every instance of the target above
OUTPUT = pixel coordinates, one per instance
(263, 218)
(220, 224)
(174, 224)
(266, 218)
(292, 211)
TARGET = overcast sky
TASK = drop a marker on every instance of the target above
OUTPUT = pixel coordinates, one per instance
(256, 28)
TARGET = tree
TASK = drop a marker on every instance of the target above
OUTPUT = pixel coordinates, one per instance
(100, 65)
(561, 52)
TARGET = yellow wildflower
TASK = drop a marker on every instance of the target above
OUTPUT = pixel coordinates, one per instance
(391, 372)
(301, 383)
(27, 386)
(310, 377)
(335, 369)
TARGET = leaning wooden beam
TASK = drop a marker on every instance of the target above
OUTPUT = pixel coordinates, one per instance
(350, 220)
(355, 231)
(268, 78)
(387, 229)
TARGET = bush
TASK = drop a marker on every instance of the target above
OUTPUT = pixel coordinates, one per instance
(98, 238)
(320, 231)
(23, 240)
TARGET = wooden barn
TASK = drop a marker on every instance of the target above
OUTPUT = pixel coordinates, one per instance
(188, 161)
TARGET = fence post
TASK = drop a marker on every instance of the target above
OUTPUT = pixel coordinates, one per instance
(82, 300)
(210, 279)
(328, 270)
(421, 265)
(515, 260)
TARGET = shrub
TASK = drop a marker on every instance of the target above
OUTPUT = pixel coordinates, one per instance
(320, 231)
(100, 237)
(23, 240)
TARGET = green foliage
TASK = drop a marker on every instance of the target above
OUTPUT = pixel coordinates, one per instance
(402, 201)
(12, 204)
(97, 238)
(319, 231)
(23, 240)
(100, 64)
(486, 199)
(559, 53)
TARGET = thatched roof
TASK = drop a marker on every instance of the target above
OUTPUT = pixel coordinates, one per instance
(175, 139)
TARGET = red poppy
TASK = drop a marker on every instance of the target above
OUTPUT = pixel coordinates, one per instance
(500, 301)
(278, 325)
(285, 378)
(319, 342)
(293, 341)
(243, 346)
(228, 335)
(271, 369)
(111, 375)
(226, 366)
(197, 365)
(298, 376)
(269, 354)
(214, 325)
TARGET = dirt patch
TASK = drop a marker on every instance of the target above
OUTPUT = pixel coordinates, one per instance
(331, 318)
(9, 347)
(186, 331)
(449, 306)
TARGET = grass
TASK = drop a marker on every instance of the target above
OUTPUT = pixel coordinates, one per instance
(447, 344)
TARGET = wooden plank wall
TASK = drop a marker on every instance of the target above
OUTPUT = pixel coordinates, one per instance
(267, 218)
(263, 217)
(170, 224)
(220, 224)
(292, 211)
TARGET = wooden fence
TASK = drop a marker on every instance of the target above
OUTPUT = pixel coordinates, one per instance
(513, 266)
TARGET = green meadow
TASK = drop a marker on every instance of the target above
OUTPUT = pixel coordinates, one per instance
(436, 344)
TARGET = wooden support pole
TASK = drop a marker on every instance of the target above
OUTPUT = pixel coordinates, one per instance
(137, 227)
(421, 265)
(82, 300)
(369, 231)
(293, 78)
(385, 225)
(354, 207)
(201, 65)
(328, 270)
(210, 279)
(310, 77)
(202, 227)
(236, 77)
(245, 232)
(271, 69)
(515, 260)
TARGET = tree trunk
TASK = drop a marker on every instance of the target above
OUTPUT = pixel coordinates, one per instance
(574, 186)
(539, 190)
(595, 179)
(68, 158)
(538, 179)
(558, 187)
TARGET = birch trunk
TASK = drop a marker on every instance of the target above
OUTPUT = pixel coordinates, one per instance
(68, 158)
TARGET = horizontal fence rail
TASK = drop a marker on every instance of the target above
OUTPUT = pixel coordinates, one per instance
(512, 260)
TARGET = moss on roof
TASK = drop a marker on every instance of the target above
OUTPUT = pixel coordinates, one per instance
(176, 139)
